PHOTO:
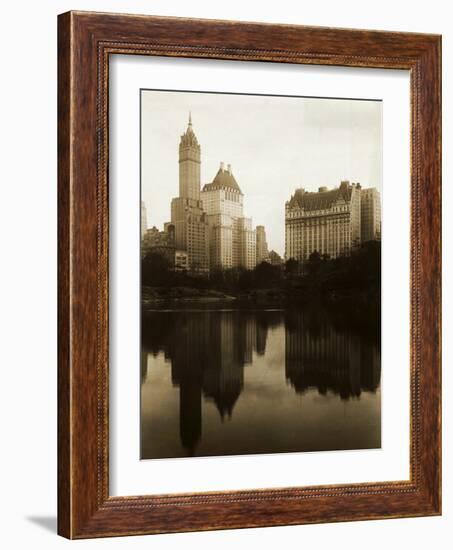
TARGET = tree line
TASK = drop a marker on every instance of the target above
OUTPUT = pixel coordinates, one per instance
(359, 271)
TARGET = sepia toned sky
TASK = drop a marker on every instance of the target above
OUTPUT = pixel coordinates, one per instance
(274, 144)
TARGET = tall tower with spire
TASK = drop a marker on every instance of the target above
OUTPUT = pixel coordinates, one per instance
(189, 164)
(187, 214)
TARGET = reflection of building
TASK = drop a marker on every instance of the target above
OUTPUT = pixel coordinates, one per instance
(188, 360)
(223, 379)
(327, 221)
(187, 215)
(208, 351)
(143, 220)
(248, 334)
(371, 214)
(262, 325)
(262, 253)
(232, 239)
(208, 357)
(323, 357)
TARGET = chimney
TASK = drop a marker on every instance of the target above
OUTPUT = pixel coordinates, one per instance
(222, 166)
(229, 168)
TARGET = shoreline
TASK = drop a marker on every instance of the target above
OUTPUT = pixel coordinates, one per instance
(354, 301)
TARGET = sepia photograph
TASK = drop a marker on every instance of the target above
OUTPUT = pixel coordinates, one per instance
(249, 320)
(260, 244)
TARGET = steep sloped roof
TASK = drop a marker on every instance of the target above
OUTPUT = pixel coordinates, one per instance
(224, 179)
(189, 139)
(321, 200)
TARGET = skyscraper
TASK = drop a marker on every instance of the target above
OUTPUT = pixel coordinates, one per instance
(262, 252)
(143, 220)
(232, 239)
(208, 227)
(371, 214)
(187, 215)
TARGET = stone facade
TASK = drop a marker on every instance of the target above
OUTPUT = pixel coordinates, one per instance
(231, 236)
(371, 214)
(247, 243)
(262, 252)
(143, 220)
(160, 242)
(328, 222)
(187, 214)
(181, 260)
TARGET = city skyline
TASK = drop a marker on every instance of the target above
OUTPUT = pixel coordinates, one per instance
(260, 274)
(349, 130)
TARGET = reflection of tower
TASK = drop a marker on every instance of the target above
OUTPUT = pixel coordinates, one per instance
(249, 335)
(261, 338)
(207, 351)
(370, 367)
(320, 356)
(190, 414)
(224, 377)
(187, 215)
(188, 359)
(264, 321)
(143, 365)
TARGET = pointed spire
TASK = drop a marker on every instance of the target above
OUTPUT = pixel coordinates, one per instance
(188, 138)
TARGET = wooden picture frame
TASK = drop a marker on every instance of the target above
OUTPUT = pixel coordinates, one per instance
(85, 42)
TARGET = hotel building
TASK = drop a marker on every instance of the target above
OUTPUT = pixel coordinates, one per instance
(328, 221)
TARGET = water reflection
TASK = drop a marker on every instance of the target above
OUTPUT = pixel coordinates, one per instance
(322, 356)
(261, 370)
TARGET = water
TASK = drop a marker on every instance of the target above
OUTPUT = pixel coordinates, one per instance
(241, 381)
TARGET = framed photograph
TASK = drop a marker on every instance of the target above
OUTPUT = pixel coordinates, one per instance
(249, 275)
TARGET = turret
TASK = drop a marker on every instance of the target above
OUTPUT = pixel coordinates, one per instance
(189, 164)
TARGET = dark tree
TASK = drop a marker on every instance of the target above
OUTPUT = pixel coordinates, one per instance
(314, 263)
(156, 270)
(291, 266)
(267, 275)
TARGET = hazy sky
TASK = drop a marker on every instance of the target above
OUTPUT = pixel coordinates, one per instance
(274, 144)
